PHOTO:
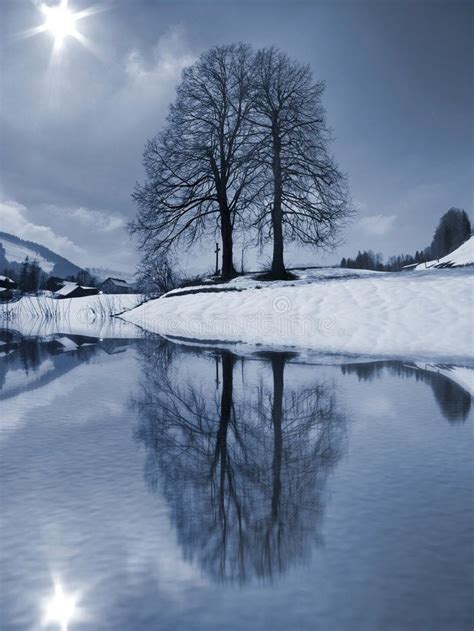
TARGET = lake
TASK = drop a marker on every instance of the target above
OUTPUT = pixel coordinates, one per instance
(152, 486)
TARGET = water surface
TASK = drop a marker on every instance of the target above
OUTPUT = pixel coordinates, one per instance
(176, 488)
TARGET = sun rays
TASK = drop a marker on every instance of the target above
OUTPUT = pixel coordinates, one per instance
(61, 23)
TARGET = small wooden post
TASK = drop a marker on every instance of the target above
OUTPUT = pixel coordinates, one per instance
(217, 250)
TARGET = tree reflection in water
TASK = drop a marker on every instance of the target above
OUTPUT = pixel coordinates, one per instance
(453, 401)
(242, 466)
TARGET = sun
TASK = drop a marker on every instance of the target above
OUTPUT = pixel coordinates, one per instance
(60, 22)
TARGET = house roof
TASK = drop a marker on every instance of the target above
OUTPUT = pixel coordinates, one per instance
(117, 281)
(66, 288)
(69, 287)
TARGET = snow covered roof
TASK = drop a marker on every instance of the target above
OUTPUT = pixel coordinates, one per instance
(69, 287)
(66, 288)
(4, 278)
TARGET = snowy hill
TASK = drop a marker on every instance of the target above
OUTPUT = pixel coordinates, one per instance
(463, 255)
(391, 315)
(14, 250)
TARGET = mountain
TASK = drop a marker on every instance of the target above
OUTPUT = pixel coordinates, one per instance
(14, 250)
(463, 255)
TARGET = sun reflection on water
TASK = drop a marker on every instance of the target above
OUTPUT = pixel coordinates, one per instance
(61, 608)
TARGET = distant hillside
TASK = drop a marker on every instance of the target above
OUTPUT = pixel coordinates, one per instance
(14, 250)
(463, 255)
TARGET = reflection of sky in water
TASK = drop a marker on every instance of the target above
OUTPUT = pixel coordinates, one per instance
(394, 529)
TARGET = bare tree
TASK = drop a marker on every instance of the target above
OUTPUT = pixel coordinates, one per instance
(243, 470)
(304, 193)
(155, 274)
(198, 170)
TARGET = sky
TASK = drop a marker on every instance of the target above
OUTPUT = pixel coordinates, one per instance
(399, 99)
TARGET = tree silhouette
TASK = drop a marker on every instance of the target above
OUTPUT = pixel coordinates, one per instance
(30, 275)
(198, 172)
(453, 229)
(242, 472)
(305, 195)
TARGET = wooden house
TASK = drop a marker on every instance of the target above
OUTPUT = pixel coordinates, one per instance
(116, 286)
(7, 283)
(73, 290)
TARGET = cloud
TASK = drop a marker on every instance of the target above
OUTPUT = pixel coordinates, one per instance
(139, 104)
(13, 220)
(377, 224)
(85, 144)
(96, 219)
(169, 57)
(84, 152)
(89, 237)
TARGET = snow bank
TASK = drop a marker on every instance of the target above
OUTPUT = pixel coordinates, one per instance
(419, 315)
(88, 315)
(464, 255)
(304, 276)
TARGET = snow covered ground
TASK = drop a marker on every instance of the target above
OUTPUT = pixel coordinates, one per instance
(421, 315)
(305, 276)
(89, 315)
(463, 255)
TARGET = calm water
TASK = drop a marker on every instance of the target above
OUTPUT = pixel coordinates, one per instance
(169, 488)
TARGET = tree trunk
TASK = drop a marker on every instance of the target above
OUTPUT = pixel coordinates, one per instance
(278, 271)
(228, 361)
(278, 366)
(228, 270)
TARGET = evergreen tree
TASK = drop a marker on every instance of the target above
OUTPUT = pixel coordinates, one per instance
(453, 229)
